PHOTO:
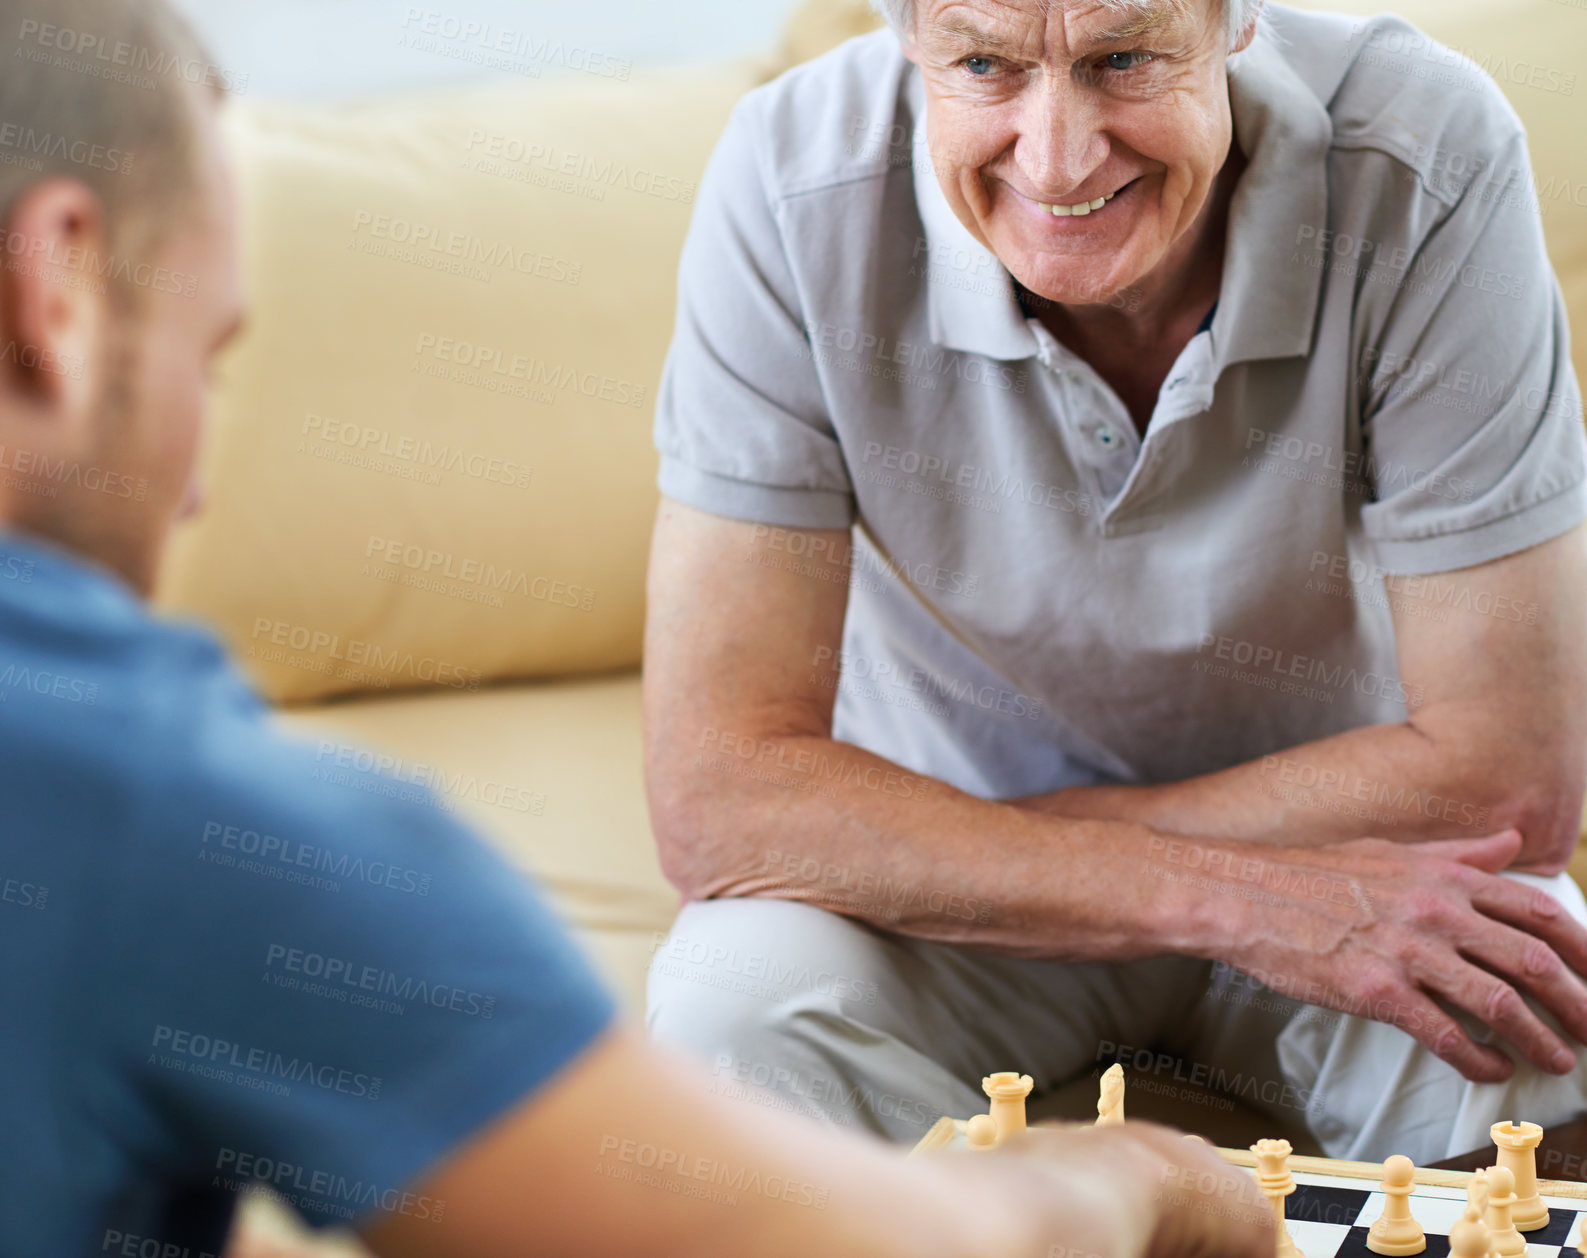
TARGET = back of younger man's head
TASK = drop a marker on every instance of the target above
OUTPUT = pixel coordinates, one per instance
(118, 273)
(104, 92)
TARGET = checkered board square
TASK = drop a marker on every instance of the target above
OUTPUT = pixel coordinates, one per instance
(1328, 1217)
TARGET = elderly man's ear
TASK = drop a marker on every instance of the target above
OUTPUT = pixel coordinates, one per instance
(52, 313)
(1250, 31)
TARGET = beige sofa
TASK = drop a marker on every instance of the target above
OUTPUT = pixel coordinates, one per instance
(431, 471)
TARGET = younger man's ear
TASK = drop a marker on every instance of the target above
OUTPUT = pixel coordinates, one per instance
(55, 275)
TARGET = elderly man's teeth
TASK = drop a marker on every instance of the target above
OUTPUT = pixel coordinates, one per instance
(1080, 210)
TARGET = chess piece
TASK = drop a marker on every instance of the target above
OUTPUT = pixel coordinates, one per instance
(1477, 1198)
(1397, 1231)
(1505, 1241)
(1276, 1183)
(980, 1132)
(1468, 1239)
(1008, 1092)
(1581, 1236)
(1517, 1144)
(1110, 1103)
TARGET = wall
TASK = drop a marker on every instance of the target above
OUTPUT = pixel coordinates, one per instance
(343, 48)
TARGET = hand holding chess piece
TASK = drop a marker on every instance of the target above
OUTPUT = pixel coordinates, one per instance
(1396, 1231)
(1132, 1189)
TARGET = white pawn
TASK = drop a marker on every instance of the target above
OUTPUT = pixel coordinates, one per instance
(1468, 1239)
(1397, 1232)
(1505, 1240)
(980, 1133)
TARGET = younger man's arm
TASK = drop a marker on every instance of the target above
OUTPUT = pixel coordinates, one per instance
(628, 1153)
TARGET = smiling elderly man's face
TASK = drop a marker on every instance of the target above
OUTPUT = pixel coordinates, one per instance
(1077, 142)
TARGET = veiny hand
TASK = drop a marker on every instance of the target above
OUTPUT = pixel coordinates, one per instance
(1379, 930)
(1131, 1191)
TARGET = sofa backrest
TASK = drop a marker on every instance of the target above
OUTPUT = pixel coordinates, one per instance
(431, 461)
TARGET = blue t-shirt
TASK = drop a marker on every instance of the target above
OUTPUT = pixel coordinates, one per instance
(224, 965)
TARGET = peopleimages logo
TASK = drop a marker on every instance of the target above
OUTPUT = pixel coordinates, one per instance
(320, 650)
(272, 851)
(87, 52)
(343, 977)
(70, 474)
(60, 148)
(486, 44)
(926, 360)
(317, 1191)
(181, 1048)
(31, 255)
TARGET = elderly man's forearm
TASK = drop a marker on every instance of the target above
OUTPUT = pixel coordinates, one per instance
(1385, 781)
(825, 823)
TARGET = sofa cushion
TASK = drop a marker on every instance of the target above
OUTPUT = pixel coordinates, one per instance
(551, 774)
(431, 461)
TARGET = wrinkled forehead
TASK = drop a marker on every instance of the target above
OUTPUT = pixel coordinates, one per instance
(1095, 21)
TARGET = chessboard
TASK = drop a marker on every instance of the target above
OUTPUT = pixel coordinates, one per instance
(1334, 1204)
(1329, 1206)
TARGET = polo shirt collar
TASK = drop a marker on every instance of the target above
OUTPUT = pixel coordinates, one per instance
(1267, 305)
(1268, 302)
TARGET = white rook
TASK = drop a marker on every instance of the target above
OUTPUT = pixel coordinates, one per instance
(1008, 1092)
(1517, 1144)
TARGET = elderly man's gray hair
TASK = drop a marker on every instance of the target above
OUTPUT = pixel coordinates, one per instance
(1237, 14)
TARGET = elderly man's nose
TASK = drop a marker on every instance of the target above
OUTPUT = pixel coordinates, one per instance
(1060, 142)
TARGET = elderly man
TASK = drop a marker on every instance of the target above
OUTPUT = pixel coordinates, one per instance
(179, 1027)
(1119, 583)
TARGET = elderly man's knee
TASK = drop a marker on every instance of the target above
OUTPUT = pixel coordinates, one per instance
(719, 1025)
(733, 976)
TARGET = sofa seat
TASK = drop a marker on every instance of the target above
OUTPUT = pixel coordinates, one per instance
(550, 772)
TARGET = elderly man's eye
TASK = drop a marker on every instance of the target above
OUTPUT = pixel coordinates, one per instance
(979, 67)
(1126, 60)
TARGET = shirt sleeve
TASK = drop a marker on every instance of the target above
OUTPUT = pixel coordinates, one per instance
(329, 984)
(741, 422)
(1472, 416)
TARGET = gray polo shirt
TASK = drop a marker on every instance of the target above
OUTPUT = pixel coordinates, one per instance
(1039, 597)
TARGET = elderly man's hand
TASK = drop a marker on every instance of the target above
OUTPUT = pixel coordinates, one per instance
(1133, 1191)
(1381, 930)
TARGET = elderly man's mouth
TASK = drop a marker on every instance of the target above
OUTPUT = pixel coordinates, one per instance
(1080, 209)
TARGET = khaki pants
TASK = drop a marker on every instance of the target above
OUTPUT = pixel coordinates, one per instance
(795, 1007)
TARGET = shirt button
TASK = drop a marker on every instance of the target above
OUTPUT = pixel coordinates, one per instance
(1107, 438)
